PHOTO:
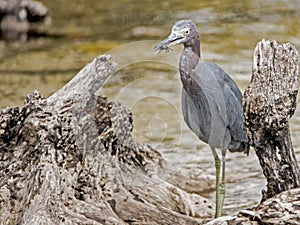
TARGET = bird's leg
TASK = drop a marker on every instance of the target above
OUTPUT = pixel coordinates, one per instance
(222, 184)
(218, 186)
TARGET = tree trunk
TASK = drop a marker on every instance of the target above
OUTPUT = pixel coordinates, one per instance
(269, 103)
(71, 159)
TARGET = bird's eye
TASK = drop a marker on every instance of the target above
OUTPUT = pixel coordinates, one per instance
(186, 32)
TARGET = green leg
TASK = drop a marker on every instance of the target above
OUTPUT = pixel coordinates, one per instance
(222, 185)
(219, 187)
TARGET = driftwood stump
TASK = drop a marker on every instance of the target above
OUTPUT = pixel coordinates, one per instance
(269, 103)
(71, 159)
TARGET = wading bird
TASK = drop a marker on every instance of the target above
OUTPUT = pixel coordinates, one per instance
(211, 101)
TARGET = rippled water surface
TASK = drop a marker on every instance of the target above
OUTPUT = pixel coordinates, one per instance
(149, 85)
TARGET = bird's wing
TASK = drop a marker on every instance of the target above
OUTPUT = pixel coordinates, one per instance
(224, 79)
(225, 102)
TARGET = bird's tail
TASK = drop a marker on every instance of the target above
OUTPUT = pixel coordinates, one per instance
(239, 147)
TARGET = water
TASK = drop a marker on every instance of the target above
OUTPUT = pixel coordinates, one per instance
(149, 85)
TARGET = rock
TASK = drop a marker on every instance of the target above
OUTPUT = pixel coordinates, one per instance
(16, 17)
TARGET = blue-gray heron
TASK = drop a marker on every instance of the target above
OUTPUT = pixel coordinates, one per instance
(211, 101)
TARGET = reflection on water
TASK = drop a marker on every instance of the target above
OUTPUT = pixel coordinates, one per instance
(149, 85)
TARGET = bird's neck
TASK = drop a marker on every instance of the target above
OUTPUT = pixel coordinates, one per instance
(194, 45)
(189, 60)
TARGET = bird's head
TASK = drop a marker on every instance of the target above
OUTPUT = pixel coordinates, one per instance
(183, 32)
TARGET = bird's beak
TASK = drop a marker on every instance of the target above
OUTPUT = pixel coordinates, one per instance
(172, 39)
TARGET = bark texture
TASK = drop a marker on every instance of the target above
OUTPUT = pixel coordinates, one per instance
(71, 159)
(269, 103)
